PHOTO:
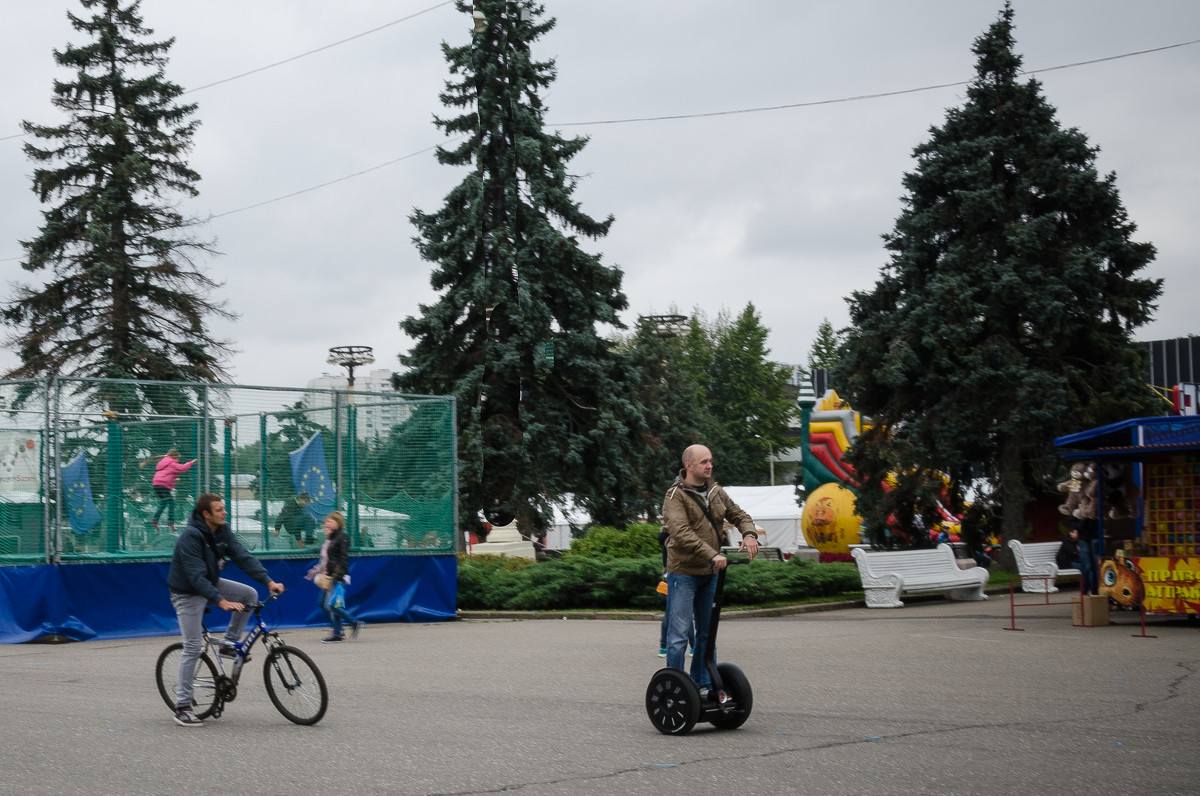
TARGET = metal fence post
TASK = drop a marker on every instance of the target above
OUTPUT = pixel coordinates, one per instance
(49, 548)
(227, 470)
(460, 545)
(352, 473)
(202, 437)
(262, 470)
(339, 493)
(116, 491)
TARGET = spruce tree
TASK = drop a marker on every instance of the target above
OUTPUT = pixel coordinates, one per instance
(672, 392)
(823, 354)
(124, 297)
(713, 385)
(543, 407)
(747, 393)
(1004, 316)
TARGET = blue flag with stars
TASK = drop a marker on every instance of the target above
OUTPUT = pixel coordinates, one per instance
(77, 487)
(310, 474)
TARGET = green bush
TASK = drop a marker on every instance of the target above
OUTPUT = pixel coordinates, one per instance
(606, 582)
(636, 541)
(487, 581)
(555, 584)
(768, 581)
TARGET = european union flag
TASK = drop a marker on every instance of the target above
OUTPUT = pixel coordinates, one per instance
(81, 509)
(310, 474)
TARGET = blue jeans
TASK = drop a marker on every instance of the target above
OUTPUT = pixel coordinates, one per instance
(337, 614)
(662, 636)
(1088, 572)
(690, 598)
(189, 610)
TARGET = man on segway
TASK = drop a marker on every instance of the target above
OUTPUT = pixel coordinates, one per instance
(693, 511)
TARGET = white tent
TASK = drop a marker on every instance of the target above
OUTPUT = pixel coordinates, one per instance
(558, 537)
(774, 509)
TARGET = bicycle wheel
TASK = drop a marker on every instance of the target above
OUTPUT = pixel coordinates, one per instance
(204, 682)
(295, 685)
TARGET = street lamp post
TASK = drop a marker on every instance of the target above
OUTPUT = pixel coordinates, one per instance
(350, 357)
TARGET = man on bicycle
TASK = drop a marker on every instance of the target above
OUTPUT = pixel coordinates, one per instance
(195, 582)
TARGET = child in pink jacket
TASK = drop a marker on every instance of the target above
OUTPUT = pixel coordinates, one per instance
(166, 474)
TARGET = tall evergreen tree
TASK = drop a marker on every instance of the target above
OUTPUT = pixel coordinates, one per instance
(674, 402)
(125, 298)
(823, 354)
(543, 410)
(747, 394)
(1004, 316)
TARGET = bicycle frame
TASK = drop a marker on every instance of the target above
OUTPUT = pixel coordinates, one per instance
(227, 679)
(214, 643)
(293, 681)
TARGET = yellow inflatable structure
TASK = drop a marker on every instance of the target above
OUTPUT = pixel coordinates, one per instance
(828, 519)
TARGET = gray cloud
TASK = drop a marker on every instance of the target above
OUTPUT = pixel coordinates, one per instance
(783, 208)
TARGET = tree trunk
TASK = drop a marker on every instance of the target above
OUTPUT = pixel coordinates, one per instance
(1012, 491)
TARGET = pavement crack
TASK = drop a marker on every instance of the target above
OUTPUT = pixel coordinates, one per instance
(1173, 687)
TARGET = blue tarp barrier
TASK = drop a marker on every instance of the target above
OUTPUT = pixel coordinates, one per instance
(107, 601)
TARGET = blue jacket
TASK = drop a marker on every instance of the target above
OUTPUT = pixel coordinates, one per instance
(196, 568)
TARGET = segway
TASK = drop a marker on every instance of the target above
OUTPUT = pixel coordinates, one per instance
(673, 700)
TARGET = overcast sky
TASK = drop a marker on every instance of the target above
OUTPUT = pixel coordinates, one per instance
(782, 208)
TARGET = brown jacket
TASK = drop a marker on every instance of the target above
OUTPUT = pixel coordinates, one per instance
(693, 539)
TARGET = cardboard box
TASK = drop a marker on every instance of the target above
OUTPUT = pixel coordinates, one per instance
(1093, 612)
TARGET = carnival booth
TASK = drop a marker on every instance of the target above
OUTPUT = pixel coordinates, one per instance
(1144, 474)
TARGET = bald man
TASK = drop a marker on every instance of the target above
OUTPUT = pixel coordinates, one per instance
(693, 511)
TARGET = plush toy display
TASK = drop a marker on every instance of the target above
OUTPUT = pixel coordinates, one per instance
(1086, 508)
(1073, 486)
(1121, 492)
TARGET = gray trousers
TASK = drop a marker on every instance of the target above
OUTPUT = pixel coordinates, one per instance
(189, 610)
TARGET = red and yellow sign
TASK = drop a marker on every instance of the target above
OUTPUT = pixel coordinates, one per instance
(1171, 584)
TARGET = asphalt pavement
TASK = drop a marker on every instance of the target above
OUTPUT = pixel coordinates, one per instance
(935, 697)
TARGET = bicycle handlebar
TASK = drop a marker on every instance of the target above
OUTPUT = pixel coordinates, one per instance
(258, 606)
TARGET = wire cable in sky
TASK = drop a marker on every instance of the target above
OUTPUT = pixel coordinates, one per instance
(700, 115)
(294, 57)
(327, 183)
(318, 49)
(860, 97)
(308, 189)
(720, 113)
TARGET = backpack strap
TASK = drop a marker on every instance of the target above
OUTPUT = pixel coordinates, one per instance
(704, 507)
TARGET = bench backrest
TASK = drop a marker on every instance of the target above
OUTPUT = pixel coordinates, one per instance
(908, 562)
(1034, 552)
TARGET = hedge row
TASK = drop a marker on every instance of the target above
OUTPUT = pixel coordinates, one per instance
(499, 583)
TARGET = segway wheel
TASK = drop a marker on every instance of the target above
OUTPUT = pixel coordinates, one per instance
(738, 688)
(672, 702)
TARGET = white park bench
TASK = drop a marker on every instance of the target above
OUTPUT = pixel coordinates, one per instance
(887, 573)
(1037, 567)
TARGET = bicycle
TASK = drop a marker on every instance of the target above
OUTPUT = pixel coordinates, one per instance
(293, 681)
